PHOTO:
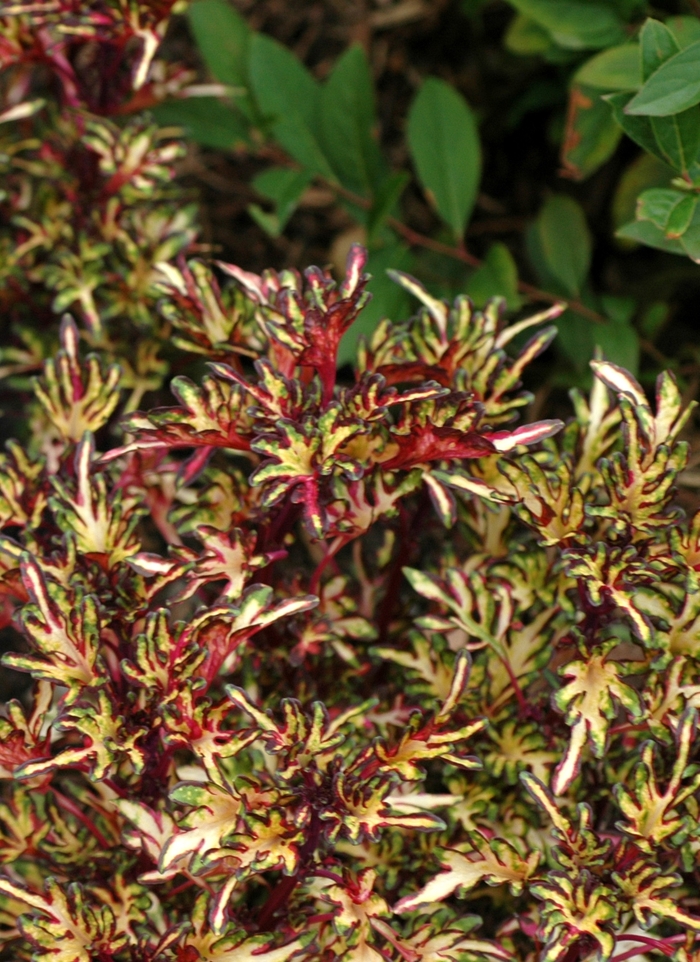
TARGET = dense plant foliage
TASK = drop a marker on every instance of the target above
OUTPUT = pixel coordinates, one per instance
(609, 77)
(326, 661)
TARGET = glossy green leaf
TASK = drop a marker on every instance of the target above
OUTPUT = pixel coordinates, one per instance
(348, 122)
(497, 277)
(207, 120)
(288, 97)
(615, 69)
(444, 144)
(674, 87)
(573, 24)
(657, 44)
(565, 242)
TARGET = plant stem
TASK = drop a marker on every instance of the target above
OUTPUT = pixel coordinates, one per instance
(70, 806)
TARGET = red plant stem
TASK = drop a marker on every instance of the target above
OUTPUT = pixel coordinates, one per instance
(330, 554)
(522, 702)
(661, 945)
(280, 895)
(70, 806)
(183, 887)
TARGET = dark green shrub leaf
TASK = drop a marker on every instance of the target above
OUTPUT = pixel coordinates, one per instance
(565, 242)
(618, 340)
(657, 44)
(614, 69)
(678, 137)
(686, 30)
(644, 172)
(638, 129)
(223, 37)
(348, 122)
(284, 186)
(444, 143)
(573, 24)
(208, 121)
(592, 133)
(665, 206)
(690, 238)
(647, 233)
(497, 277)
(385, 199)
(674, 87)
(526, 37)
(289, 99)
(575, 340)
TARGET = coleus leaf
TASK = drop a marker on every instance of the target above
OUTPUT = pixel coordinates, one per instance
(494, 862)
(588, 700)
(76, 397)
(67, 927)
(576, 910)
(65, 631)
(650, 815)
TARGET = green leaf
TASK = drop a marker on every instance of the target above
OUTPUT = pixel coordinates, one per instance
(656, 45)
(690, 239)
(385, 200)
(289, 99)
(388, 299)
(575, 340)
(639, 129)
(284, 186)
(674, 87)
(614, 69)
(659, 205)
(681, 216)
(444, 144)
(686, 30)
(645, 232)
(208, 121)
(498, 276)
(644, 172)
(526, 37)
(573, 24)
(678, 137)
(348, 121)
(565, 242)
(592, 133)
(619, 344)
(223, 39)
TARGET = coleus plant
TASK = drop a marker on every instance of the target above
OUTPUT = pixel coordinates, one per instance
(324, 662)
